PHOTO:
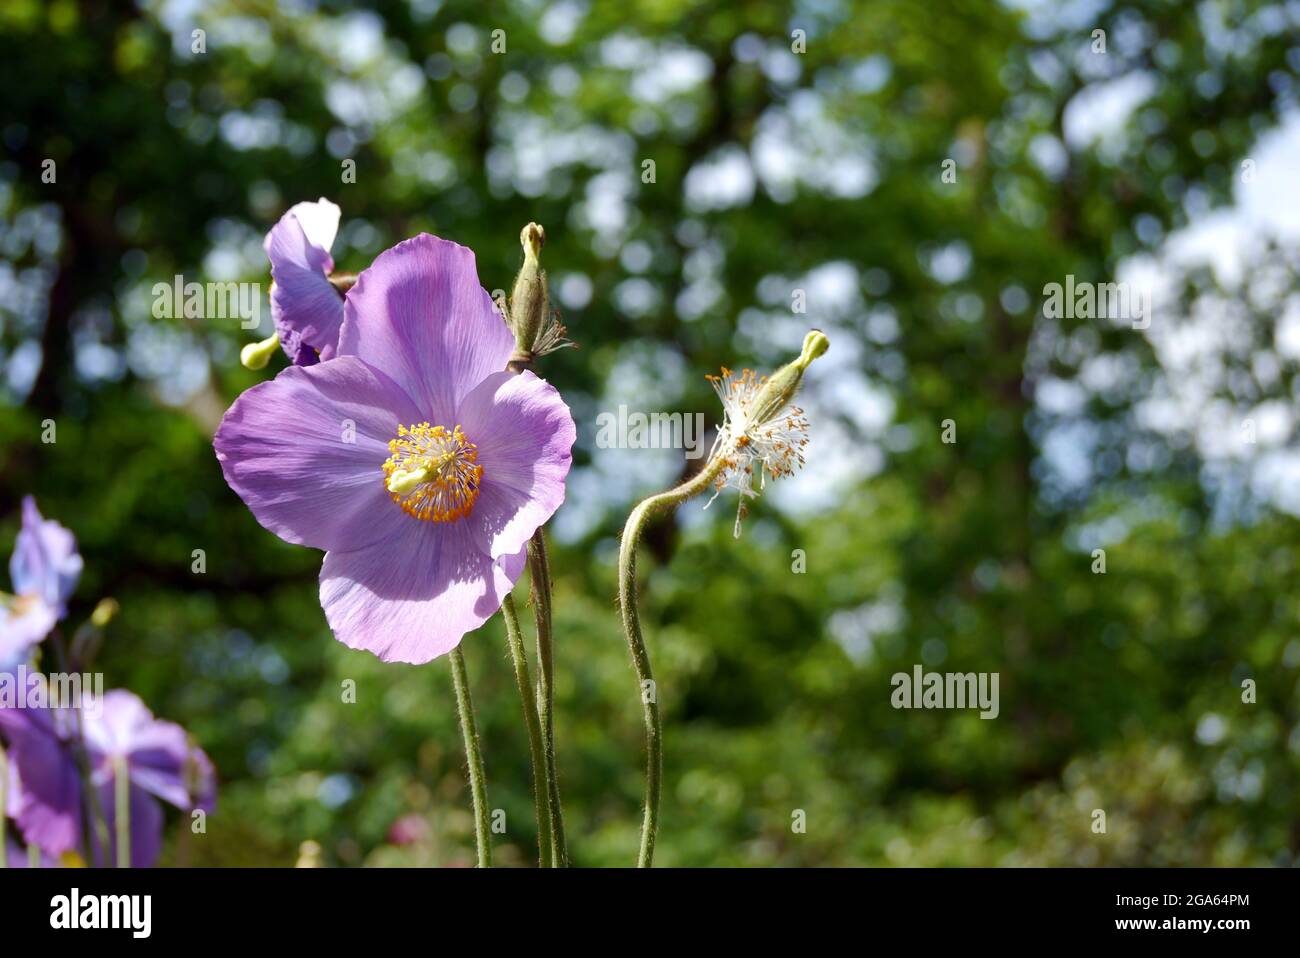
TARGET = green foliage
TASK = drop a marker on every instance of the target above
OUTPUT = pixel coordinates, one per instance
(1120, 691)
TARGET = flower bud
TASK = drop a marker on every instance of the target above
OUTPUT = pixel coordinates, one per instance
(104, 612)
(529, 300)
(257, 355)
(779, 390)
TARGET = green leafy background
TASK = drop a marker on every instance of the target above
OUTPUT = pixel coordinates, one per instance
(1119, 692)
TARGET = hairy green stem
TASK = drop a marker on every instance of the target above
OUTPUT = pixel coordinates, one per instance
(627, 598)
(473, 758)
(541, 789)
(528, 310)
(122, 811)
(540, 572)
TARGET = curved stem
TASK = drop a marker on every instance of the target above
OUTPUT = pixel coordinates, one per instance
(473, 758)
(541, 789)
(540, 573)
(627, 597)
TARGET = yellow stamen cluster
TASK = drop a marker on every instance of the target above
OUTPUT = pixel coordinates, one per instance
(433, 473)
(19, 605)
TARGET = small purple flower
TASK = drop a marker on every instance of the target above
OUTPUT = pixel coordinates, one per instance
(306, 308)
(411, 457)
(44, 568)
(160, 761)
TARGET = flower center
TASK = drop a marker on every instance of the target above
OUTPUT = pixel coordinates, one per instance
(432, 472)
(20, 604)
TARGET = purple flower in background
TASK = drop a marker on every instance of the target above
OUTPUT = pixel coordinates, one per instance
(44, 568)
(160, 761)
(412, 457)
(46, 801)
(306, 308)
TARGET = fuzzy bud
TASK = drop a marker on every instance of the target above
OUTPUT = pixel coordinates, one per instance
(779, 390)
(529, 300)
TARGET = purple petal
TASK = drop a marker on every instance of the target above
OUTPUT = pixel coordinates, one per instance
(524, 433)
(49, 809)
(24, 622)
(157, 752)
(306, 309)
(419, 314)
(284, 449)
(45, 560)
(413, 598)
(319, 222)
(17, 720)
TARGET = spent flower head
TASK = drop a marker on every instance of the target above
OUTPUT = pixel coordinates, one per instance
(762, 432)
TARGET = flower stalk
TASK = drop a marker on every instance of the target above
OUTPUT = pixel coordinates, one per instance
(541, 783)
(540, 573)
(627, 601)
(473, 757)
(746, 441)
(537, 332)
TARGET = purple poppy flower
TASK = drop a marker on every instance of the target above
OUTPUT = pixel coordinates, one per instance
(306, 308)
(161, 764)
(412, 457)
(44, 568)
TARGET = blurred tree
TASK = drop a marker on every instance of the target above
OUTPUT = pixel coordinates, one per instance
(912, 174)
